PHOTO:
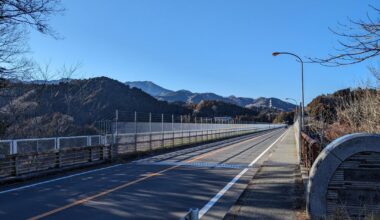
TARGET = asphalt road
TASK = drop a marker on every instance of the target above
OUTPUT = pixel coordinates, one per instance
(210, 178)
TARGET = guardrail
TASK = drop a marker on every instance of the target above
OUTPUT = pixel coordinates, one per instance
(28, 156)
(19, 164)
(23, 146)
(49, 144)
(143, 142)
(310, 150)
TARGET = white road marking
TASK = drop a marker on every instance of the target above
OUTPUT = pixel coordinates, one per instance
(215, 199)
(266, 150)
(57, 179)
(219, 144)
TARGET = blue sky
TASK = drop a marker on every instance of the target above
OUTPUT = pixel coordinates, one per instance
(205, 45)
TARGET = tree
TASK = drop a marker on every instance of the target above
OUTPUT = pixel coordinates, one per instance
(359, 41)
(284, 117)
(16, 18)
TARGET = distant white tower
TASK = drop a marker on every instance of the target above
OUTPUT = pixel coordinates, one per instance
(270, 103)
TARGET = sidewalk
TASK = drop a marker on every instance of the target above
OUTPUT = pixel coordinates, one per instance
(276, 191)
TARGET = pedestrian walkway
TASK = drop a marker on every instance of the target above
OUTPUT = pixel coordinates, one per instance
(276, 191)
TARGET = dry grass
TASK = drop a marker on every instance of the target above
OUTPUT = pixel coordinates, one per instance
(359, 113)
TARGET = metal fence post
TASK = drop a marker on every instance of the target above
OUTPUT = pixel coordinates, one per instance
(116, 121)
(90, 154)
(135, 136)
(181, 132)
(202, 133)
(162, 131)
(114, 133)
(58, 144)
(59, 159)
(196, 129)
(207, 130)
(16, 165)
(14, 147)
(150, 131)
(173, 130)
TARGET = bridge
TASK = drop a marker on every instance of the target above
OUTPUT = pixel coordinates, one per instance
(232, 171)
(209, 172)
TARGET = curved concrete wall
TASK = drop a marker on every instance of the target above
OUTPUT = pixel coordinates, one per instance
(337, 156)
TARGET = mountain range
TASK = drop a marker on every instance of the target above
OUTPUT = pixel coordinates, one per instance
(71, 107)
(76, 107)
(189, 97)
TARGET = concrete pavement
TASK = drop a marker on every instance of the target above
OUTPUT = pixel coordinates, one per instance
(276, 190)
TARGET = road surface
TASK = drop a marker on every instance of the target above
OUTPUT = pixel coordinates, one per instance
(160, 187)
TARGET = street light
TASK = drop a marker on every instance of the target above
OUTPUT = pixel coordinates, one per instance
(302, 87)
(295, 101)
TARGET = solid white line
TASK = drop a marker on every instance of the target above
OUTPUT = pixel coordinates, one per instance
(57, 179)
(212, 202)
(215, 199)
(262, 154)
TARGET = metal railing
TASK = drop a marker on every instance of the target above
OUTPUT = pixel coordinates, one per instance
(28, 156)
(19, 164)
(123, 135)
(310, 150)
(143, 142)
(24, 146)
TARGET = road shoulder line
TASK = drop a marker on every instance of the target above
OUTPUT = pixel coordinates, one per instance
(215, 199)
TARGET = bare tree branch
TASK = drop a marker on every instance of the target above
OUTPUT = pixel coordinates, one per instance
(17, 17)
(359, 41)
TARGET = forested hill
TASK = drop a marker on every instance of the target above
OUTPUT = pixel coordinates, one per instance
(73, 107)
(74, 104)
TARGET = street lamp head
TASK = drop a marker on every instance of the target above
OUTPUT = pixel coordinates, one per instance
(275, 53)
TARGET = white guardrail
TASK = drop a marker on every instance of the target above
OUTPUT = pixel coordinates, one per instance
(50, 144)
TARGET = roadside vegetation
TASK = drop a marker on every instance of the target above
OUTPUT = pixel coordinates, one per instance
(349, 110)
(344, 112)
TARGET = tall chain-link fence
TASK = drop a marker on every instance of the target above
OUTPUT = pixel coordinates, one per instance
(127, 133)
(136, 131)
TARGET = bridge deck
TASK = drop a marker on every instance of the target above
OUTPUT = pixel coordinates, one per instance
(159, 187)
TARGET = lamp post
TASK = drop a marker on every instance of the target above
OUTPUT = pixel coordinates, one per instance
(302, 87)
(296, 103)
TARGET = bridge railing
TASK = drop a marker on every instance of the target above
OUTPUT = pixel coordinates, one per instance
(23, 146)
(155, 138)
(310, 150)
(30, 156)
(35, 162)
(143, 142)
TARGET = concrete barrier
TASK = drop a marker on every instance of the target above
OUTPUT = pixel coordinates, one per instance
(345, 179)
